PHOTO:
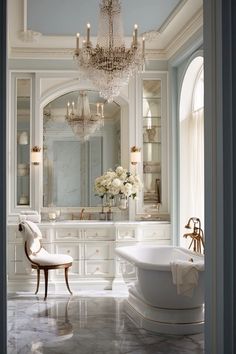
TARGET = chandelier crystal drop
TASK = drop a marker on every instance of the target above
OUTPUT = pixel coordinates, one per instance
(110, 64)
(80, 119)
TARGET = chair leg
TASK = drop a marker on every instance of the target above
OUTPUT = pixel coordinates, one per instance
(46, 282)
(66, 278)
(38, 280)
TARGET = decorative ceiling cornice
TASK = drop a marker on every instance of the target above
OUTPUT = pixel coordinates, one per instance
(187, 32)
(33, 45)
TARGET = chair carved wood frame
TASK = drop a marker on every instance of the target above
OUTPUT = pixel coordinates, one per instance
(46, 268)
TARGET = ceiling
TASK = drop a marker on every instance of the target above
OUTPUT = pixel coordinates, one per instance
(59, 17)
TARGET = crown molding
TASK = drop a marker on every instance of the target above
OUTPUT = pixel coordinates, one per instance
(185, 34)
(161, 44)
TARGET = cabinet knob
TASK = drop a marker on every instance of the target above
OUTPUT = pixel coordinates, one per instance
(97, 268)
(96, 234)
(97, 251)
(68, 251)
(69, 233)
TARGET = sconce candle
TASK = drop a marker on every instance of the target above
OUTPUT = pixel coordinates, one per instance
(88, 33)
(77, 42)
(135, 34)
(36, 156)
(135, 155)
(143, 46)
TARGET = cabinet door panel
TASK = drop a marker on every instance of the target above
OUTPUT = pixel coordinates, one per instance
(97, 251)
(98, 268)
(75, 250)
(74, 271)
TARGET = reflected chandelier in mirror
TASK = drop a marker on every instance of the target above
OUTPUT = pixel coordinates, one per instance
(71, 164)
(82, 122)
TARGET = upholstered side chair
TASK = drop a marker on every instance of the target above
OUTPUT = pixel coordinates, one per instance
(39, 258)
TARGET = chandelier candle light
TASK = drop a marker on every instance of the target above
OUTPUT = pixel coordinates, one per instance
(80, 119)
(110, 64)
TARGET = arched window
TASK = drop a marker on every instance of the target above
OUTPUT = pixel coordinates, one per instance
(198, 92)
(191, 146)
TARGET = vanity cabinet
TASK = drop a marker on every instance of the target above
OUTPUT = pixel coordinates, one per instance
(92, 246)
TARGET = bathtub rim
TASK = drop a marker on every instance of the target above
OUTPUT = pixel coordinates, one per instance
(123, 253)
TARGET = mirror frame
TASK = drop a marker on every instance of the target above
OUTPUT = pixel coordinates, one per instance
(59, 90)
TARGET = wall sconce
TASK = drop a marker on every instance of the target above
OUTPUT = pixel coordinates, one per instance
(36, 156)
(135, 155)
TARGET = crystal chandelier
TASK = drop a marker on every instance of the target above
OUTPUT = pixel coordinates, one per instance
(80, 118)
(110, 64)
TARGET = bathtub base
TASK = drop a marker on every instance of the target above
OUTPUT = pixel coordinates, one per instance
(166, 321)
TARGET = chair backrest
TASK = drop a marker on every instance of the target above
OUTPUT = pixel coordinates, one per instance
(32, 237)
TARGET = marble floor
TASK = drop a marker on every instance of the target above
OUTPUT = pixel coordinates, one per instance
(88, 323)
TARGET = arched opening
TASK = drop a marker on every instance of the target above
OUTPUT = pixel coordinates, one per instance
(191, 146)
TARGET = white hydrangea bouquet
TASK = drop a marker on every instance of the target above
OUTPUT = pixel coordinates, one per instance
(118, 182)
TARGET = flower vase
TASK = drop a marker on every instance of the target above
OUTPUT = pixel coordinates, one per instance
(109, 214)
(102, 214)
(122, 202)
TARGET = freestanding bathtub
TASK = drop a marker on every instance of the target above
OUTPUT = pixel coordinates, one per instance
(153, 302)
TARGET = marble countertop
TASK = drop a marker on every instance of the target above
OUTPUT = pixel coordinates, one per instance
(98, 222)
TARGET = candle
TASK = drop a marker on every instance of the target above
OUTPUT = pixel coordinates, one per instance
(73, 106)
(143, 46)
(77, 42)
(98, 104)
(135, 34)
(149, 123)
(102, 110)
(88, 33)
(68, 106)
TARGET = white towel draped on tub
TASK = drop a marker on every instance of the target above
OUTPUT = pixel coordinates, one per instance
(185, 275)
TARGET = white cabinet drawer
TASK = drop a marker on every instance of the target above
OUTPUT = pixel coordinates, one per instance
(74, 250)
(68, 234)
(16, 268)
(126, 234)
(156, 233)
(16, 235)
(99, 234)
(98, 268)
(75, 270)
(45, 235)
(97, 251)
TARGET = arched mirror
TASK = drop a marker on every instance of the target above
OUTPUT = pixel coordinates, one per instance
(81, 140)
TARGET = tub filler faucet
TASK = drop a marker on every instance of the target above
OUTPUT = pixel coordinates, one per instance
(197, 236)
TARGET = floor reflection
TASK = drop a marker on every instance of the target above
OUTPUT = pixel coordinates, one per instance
(85, 325)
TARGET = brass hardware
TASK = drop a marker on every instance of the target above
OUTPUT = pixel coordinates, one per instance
(81, 214)
(197, 235)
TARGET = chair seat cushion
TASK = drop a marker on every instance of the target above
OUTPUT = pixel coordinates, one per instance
(43, 258)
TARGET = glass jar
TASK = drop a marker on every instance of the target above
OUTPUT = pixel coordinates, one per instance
(122, 202)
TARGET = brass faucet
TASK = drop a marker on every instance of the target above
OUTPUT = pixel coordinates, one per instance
(81, 214)
(197, 235)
